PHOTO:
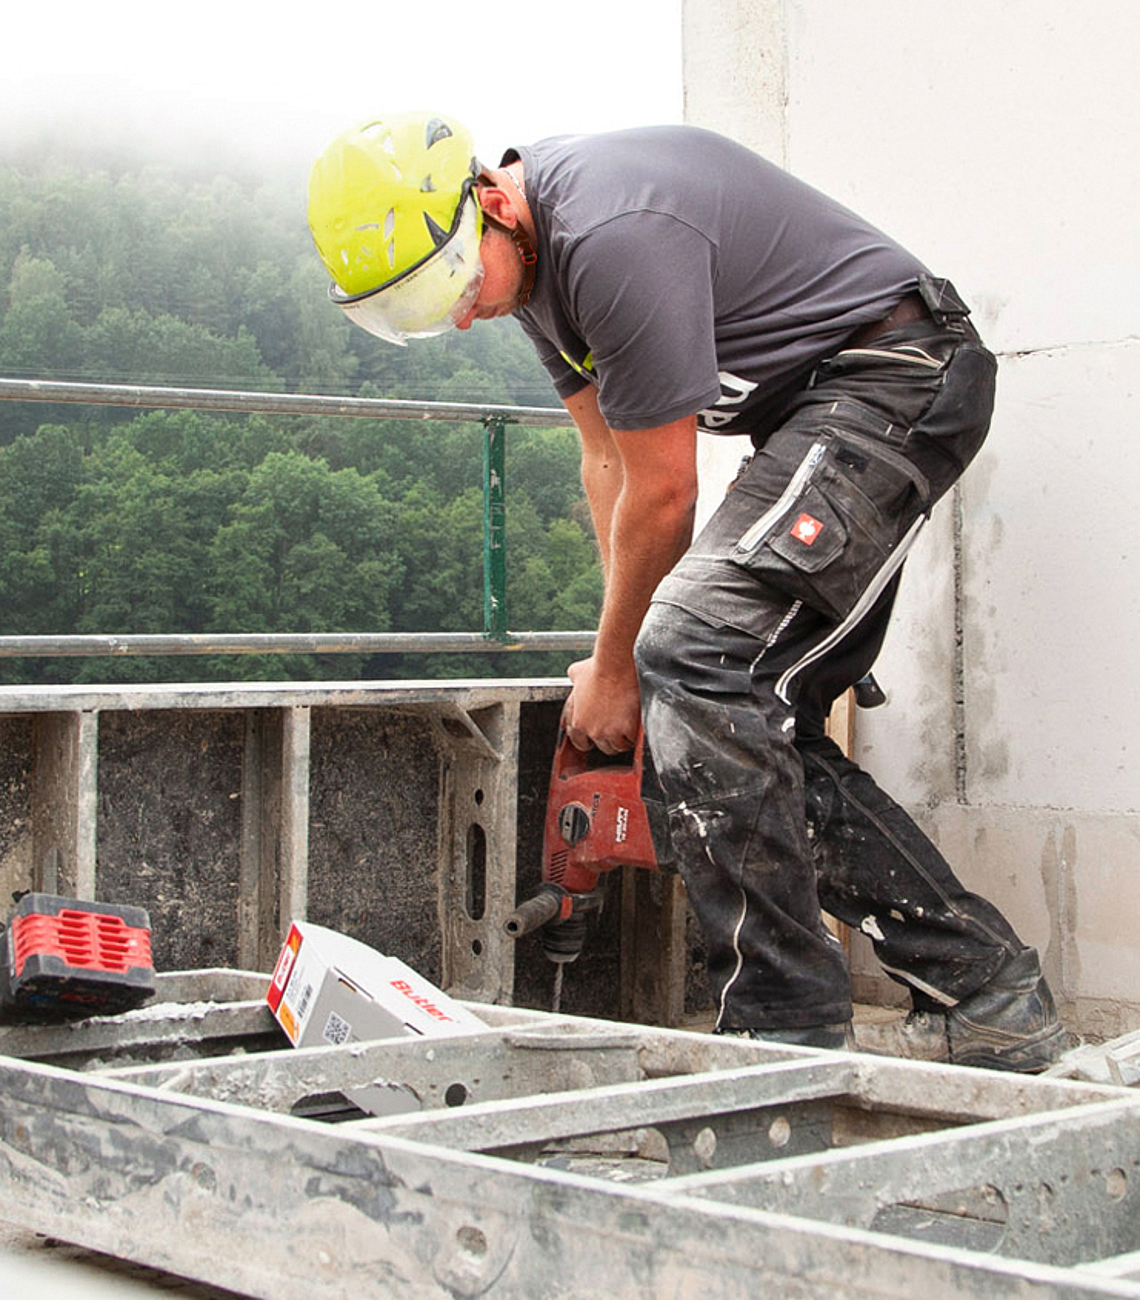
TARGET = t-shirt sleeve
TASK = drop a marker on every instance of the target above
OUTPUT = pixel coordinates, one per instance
(640, 287)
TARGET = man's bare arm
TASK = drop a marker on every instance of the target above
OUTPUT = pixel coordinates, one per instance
(602, 470)
(642, 489)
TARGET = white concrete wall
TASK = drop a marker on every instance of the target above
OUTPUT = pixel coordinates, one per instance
(999, 142)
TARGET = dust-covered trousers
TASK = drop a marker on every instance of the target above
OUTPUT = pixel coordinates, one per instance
(780, 605)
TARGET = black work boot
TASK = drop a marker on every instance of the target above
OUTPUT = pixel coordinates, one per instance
(1009, 1024)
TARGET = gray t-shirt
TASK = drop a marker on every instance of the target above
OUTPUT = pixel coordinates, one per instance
(682, 273)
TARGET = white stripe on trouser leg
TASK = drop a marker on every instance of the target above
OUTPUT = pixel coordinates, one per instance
(931, 992)
(859, 610)
(739, 960)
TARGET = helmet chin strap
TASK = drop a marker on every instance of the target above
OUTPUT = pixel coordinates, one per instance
(527, 255)
(529, 259)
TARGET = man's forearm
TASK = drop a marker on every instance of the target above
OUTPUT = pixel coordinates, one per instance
(602, 479)
(602, 471)
(647, 538)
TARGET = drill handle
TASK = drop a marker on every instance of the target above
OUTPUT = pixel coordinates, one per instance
(571, 761)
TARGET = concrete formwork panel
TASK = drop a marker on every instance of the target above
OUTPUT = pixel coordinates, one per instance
(409, 815)
(170, 828)
(372, 867)
(567, 1157)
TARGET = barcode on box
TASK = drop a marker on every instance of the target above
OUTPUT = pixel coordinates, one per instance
(303, 1005)
(337, 1030)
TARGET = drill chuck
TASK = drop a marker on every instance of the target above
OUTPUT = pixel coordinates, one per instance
(562, 940)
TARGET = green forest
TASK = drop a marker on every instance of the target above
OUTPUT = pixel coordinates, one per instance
(116, 522)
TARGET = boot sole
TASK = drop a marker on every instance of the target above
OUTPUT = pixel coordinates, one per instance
(1025, 1056)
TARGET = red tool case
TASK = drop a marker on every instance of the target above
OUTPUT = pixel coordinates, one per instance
(62, 958)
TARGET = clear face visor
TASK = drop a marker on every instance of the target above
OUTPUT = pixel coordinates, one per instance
(430, 298)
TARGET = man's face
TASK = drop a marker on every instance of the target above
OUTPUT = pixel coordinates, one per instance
(502, 279)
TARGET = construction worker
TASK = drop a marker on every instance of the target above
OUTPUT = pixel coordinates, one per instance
(673, 281)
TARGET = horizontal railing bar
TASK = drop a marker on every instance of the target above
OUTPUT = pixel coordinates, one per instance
(280, 643)
(223, 399)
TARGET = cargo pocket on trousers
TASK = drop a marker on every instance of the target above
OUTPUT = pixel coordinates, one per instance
(837, 524)
(951, 432)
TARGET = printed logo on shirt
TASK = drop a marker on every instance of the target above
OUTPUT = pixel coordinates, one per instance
(734, 392)
(806, 529)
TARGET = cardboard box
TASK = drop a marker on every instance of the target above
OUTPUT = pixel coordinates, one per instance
(330, 989)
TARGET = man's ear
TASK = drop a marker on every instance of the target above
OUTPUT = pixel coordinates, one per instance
(497, 205)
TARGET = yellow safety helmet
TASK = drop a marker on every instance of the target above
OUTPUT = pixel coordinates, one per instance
(393, 212)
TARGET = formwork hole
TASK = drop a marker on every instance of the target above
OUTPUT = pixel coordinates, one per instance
(780, 1131)
(477, 947)
(478, 797)
(1116, 1184)
(471, 1240)
(704, 1147)
(327, 1108)
(456, 1094)
(476, 893)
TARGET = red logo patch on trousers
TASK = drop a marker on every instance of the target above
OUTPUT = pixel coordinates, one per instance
(806, 529)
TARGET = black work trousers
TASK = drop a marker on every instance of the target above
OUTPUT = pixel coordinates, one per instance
(780, 604)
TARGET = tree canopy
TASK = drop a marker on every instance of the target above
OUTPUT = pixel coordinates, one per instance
(189, 521)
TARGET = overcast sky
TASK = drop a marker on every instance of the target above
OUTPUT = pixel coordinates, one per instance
(281, 79)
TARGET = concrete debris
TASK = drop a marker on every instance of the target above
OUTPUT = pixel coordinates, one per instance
(1116, 1062)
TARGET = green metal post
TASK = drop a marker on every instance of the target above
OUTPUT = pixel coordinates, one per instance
(494, 528)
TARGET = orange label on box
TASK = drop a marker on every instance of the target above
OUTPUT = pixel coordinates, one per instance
(283, 969)
(286, 1021)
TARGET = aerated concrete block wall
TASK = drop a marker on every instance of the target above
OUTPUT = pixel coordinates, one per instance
(998, 142)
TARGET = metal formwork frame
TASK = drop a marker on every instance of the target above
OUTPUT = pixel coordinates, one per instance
(565, 1157)
(476, 729)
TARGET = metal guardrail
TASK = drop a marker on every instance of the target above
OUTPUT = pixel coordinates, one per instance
(280, 643)
(494, 419)
(224, 399)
